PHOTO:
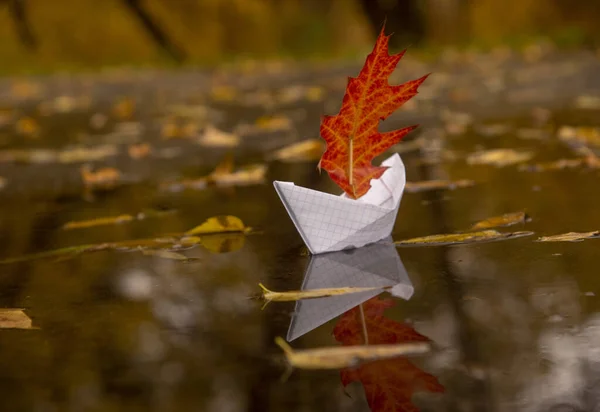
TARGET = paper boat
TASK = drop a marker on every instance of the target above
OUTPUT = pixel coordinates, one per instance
(329, 223)
(376, 265)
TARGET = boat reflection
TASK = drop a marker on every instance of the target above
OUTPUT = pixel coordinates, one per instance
(377, 265)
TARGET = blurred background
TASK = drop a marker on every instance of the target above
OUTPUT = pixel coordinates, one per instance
(103, 171)
(40, 35)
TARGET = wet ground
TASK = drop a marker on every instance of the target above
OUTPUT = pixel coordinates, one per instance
(140, 320)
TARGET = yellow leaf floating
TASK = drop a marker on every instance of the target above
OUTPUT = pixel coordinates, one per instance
(339, 357)
(571, 237)
(507, 219)
(202, 234)
(499, 157)
(460, 238)
(306, 150)
(219, 224)
(101, 221)
(14, 319)
(414, 187)
(294, 295)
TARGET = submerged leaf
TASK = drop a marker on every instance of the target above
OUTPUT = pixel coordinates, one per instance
(219, 224)
(14, 319)
(499, 157)
(414, 187)
(460, 238)
(352, 136)
(347, 356)
(555, 165)
(2, 182)
(306, 150)
(507, 219)
(571, 237)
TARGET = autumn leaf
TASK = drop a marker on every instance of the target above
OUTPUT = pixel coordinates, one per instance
(388, 384)
(352, 137)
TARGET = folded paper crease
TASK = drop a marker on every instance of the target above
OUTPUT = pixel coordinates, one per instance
(329, 223)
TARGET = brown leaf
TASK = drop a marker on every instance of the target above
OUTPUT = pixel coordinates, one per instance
(124, 108)
(507, 219)
(139, 151)
(570, 237)
(27, 126)
(414, 187)
(460, 238)
(104, 178)
(14, 319)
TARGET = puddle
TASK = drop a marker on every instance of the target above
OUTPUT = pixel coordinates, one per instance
(157, 322)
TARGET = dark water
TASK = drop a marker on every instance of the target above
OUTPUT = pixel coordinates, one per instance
(514, 323)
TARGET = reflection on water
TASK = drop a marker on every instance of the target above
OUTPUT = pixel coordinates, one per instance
(376, 265)
(388, 384)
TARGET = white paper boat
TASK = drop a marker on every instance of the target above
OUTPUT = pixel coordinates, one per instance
(329, 223)
(376, 265)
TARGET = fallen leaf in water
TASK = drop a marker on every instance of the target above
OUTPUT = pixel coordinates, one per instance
(532, 134)
(2, 182)
(139, 150)
(570, 237)
(273, 123)
(589, 136)
(223, 94)
(224, 242)
(556, 165)
(306, 150)
(223, 176)
(201, 234)
(101, 221)
(587, 102)
(507, 219)
(14, 319)
(389, 385)
(25, 89)
(460, 238)
(414, 187)
(28, 127)
(346, 356)
(294, 295)
(297, 93)
(124, 108)
(165, 254)
(104, 178)
(213, 137)
(491, 130)
(98, 121)
(115, 220)
(219, 224)
(499, 157)
(87, 154)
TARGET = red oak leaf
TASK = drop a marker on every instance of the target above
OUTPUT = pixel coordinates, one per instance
(388, 384)
(352, 137)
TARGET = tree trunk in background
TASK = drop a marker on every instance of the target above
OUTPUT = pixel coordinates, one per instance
(402, 17)
(447, 21)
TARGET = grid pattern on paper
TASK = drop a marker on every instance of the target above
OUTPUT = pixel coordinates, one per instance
(376, 265)
(329, 223)
(324, 220)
